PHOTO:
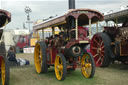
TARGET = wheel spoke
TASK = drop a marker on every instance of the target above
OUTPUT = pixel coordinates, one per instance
(87, 60)
(102, 47)
(101, 43)
(86, 72)
(95, 55)
(97, 42)
(57, 60)
(60, 67)
(98, 60)
(95, 48)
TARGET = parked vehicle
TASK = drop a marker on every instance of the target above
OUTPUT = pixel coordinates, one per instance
(5, 18)
(23, 41)
(112, 43)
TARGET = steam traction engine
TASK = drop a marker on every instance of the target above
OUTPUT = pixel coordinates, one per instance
(66, 50)
(112, 43)
(5, 17)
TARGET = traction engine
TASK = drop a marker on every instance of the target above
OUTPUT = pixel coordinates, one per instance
(112, 43)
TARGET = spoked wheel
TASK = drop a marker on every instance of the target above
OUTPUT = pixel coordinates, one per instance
(100, 47)
(60, 67)
(4, 71)
(87, 65)
(40, 57)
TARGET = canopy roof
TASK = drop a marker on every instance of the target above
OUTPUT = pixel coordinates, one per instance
(82, 15)
(4, 15)
(120, 16)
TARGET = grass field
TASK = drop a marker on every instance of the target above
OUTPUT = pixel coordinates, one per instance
(115, 74)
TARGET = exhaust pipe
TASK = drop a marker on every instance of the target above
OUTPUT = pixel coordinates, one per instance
(71, 20)
(71, 4)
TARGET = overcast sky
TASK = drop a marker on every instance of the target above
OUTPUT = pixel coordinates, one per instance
(42, 9)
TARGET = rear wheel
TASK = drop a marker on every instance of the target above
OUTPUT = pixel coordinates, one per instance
(87, 65)
(60, 67)
(40, 60)
(4, 71)
(100, 49)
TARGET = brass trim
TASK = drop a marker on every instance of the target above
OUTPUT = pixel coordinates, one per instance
(83, 41)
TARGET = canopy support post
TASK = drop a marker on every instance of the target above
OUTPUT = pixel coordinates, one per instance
(76, 29)
(90, 29)
(106, 23)
(116, 22)
(43, 34)
(97, 27)
(53, 31)
(37, 34)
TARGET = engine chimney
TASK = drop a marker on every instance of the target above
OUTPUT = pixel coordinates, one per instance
(71, 4)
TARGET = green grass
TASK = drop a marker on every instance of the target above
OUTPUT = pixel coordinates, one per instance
(116, 74)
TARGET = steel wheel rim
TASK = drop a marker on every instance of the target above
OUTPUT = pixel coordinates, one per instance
(86, 66)
(3, 71)
(58, 67)
(38, 58)
(97, 49)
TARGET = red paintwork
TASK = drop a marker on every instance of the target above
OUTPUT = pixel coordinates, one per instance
(74, 64)
(0, 60)
(71, 43)
(51, 51)
(54, 52)
(82, 36)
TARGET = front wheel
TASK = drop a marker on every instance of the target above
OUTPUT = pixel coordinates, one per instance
(40, 59)
(87, 65)
(4, 71)
(60, 67)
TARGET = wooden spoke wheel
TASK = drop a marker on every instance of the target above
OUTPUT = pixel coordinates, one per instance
(4, 71)
(87, 65)
(100, 49)
(60, 67)
(40, 57)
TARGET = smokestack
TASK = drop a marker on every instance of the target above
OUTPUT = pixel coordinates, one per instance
(71, 4)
